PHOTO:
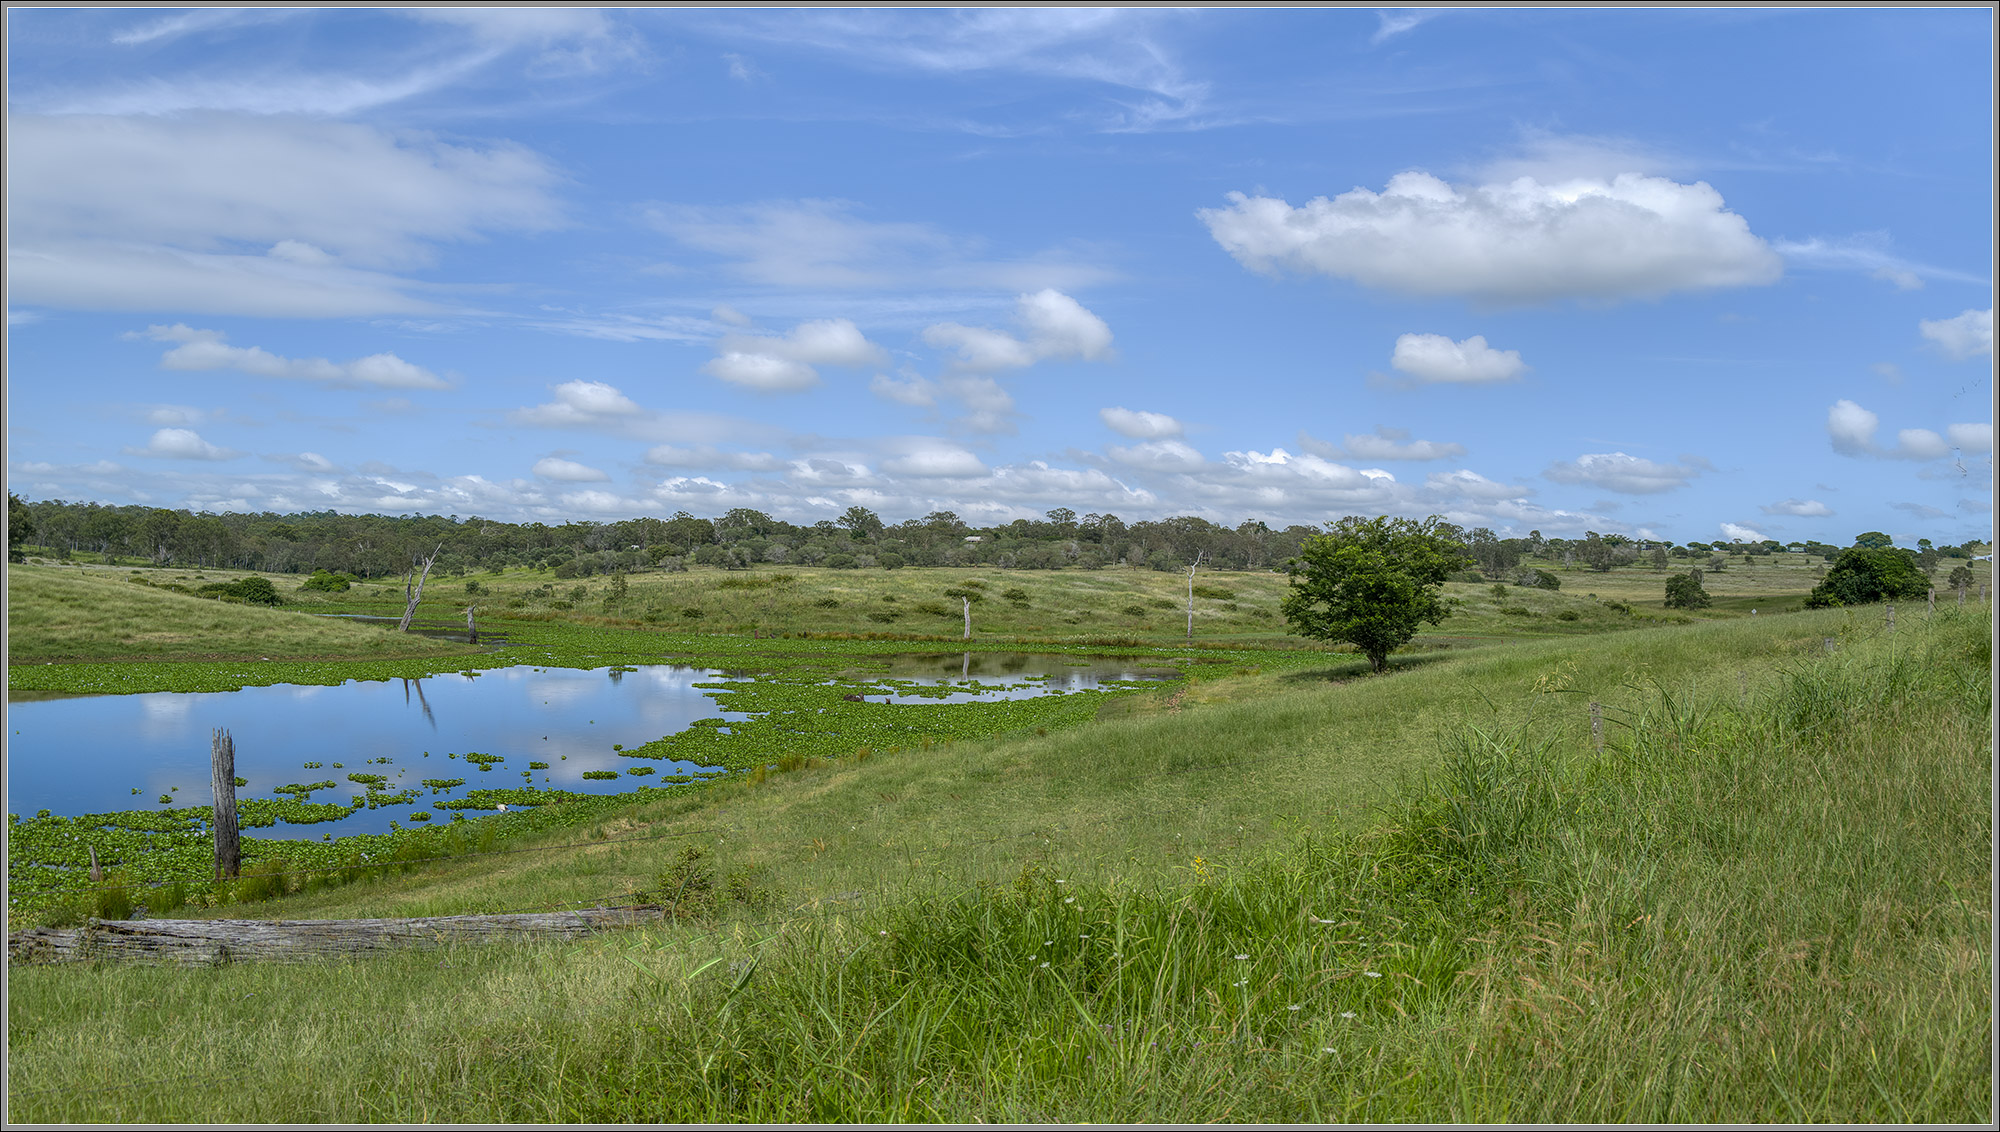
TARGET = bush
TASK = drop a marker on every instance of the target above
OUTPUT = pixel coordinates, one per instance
(250, 591)
(841, 562)
(327, 582)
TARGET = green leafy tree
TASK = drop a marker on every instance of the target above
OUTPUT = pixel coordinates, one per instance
(1873, 540)
(20, 525)
(1684, 591)
(1863, 575)
(1371, 582)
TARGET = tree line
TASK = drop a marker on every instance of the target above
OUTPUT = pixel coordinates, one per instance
(372, 546)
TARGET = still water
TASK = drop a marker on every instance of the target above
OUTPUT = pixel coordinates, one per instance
(101, 754)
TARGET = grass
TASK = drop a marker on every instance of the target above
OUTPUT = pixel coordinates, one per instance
(57, 614)
(1765, 899)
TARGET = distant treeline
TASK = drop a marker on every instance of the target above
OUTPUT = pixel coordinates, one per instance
(370, 546)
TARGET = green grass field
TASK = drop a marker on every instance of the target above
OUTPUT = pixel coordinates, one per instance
(1289, 892)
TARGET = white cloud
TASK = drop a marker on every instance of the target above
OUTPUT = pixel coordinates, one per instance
(1436, 358)
(1973, 438)
(567, 471)
(580, 403)
(247, 215)
(173, 416)
(1851, 429)
(762, 372)
(1139, 424)
(935, 459)
(1967, 335)
(822, 244)
(706, 456)
(1056, 326)
(1392, 22)
(1736, 532)
(1628, 475)
(1390, 444)
(1523, 241)
(1804, 508)
(784, 364)
(1869, 252)
(182, 444)
(912, 390)
(1160, 455)
(199, 350)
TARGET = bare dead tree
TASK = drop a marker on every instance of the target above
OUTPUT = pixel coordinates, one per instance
(1198, 556)
(416, 595)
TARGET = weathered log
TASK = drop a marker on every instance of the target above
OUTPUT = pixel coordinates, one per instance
(222, 773)
(204, 943)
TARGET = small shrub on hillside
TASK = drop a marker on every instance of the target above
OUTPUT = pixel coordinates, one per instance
(1163, 603)
(1134, 610)
(327, 582)
(1215, 592)
(249, 591)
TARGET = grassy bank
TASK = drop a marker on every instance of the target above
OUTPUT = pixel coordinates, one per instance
(57, 614)
(1766, 898)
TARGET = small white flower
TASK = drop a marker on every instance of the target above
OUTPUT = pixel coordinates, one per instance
(1347, 1014)
(1045, 964)
(1326, 1049)
(1239, 982)
(1293, 1006)
(1243, 957)
(1069, 899)
(1373, 974)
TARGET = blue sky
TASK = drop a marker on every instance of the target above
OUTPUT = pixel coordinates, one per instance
(1677, 273)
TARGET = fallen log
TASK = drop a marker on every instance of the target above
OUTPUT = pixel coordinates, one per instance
(207, 943)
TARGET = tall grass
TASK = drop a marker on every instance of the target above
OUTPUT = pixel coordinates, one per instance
(1764, 900)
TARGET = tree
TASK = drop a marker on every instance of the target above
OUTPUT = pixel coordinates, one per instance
(1684, 591)
(1863, 575)
(20, 525)
(1873, 540)
(1371, 582)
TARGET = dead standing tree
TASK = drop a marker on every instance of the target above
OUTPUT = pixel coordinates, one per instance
(416, 595)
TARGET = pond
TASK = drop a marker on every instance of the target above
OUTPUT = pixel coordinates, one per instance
(523, 727)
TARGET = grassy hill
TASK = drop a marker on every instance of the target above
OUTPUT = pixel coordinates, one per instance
(1283, 895)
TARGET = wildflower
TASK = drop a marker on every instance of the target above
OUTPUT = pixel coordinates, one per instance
(1294, 1006)
(1069, 899)
(1243, 957)
(1326, 1049)
(1373, 974)
(1347, 1014)
(1044, 964)
(1239, 982)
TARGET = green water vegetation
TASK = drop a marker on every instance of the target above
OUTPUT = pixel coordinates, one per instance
(1761, 892)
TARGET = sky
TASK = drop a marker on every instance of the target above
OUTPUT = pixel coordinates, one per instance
(1682, 274)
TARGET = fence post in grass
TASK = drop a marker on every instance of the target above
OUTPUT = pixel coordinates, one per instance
(471, 633)
(1930, 609)
(222, 771)
(96, 870)
(1892, 617)
(1829, 644)
(1597, 726)
(968, 617)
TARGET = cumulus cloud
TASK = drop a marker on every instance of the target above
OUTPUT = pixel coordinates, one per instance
(580, 403)
(199, 350)
(1967, 335)
(1851, 430)
(706, 456)
(1973, 438)
(1521, 241)
(567, 471)
(1804, 508)
(1628, 475)
(775, 364)
(250, 215)
(1139, 424)
(1159, 455)
(909, 390)
(1737, 532)
(1436, 358)
(182, 444)
(1054, 325)
(935, 458)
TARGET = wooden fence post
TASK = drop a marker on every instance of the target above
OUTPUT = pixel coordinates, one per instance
(96, 870)
(1597, 726)
(222, 770)
(471, 633)
(1931, 608)
(1892, 617)
(968, 617)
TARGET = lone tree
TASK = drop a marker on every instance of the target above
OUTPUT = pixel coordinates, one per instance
(1684, 591)
(1864, 575)
(1370, 582)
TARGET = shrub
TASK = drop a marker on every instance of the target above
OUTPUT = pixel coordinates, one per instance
(1216, 592)
(1684, 591)
(1863, 575)
(327, 582)
(250, 591)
